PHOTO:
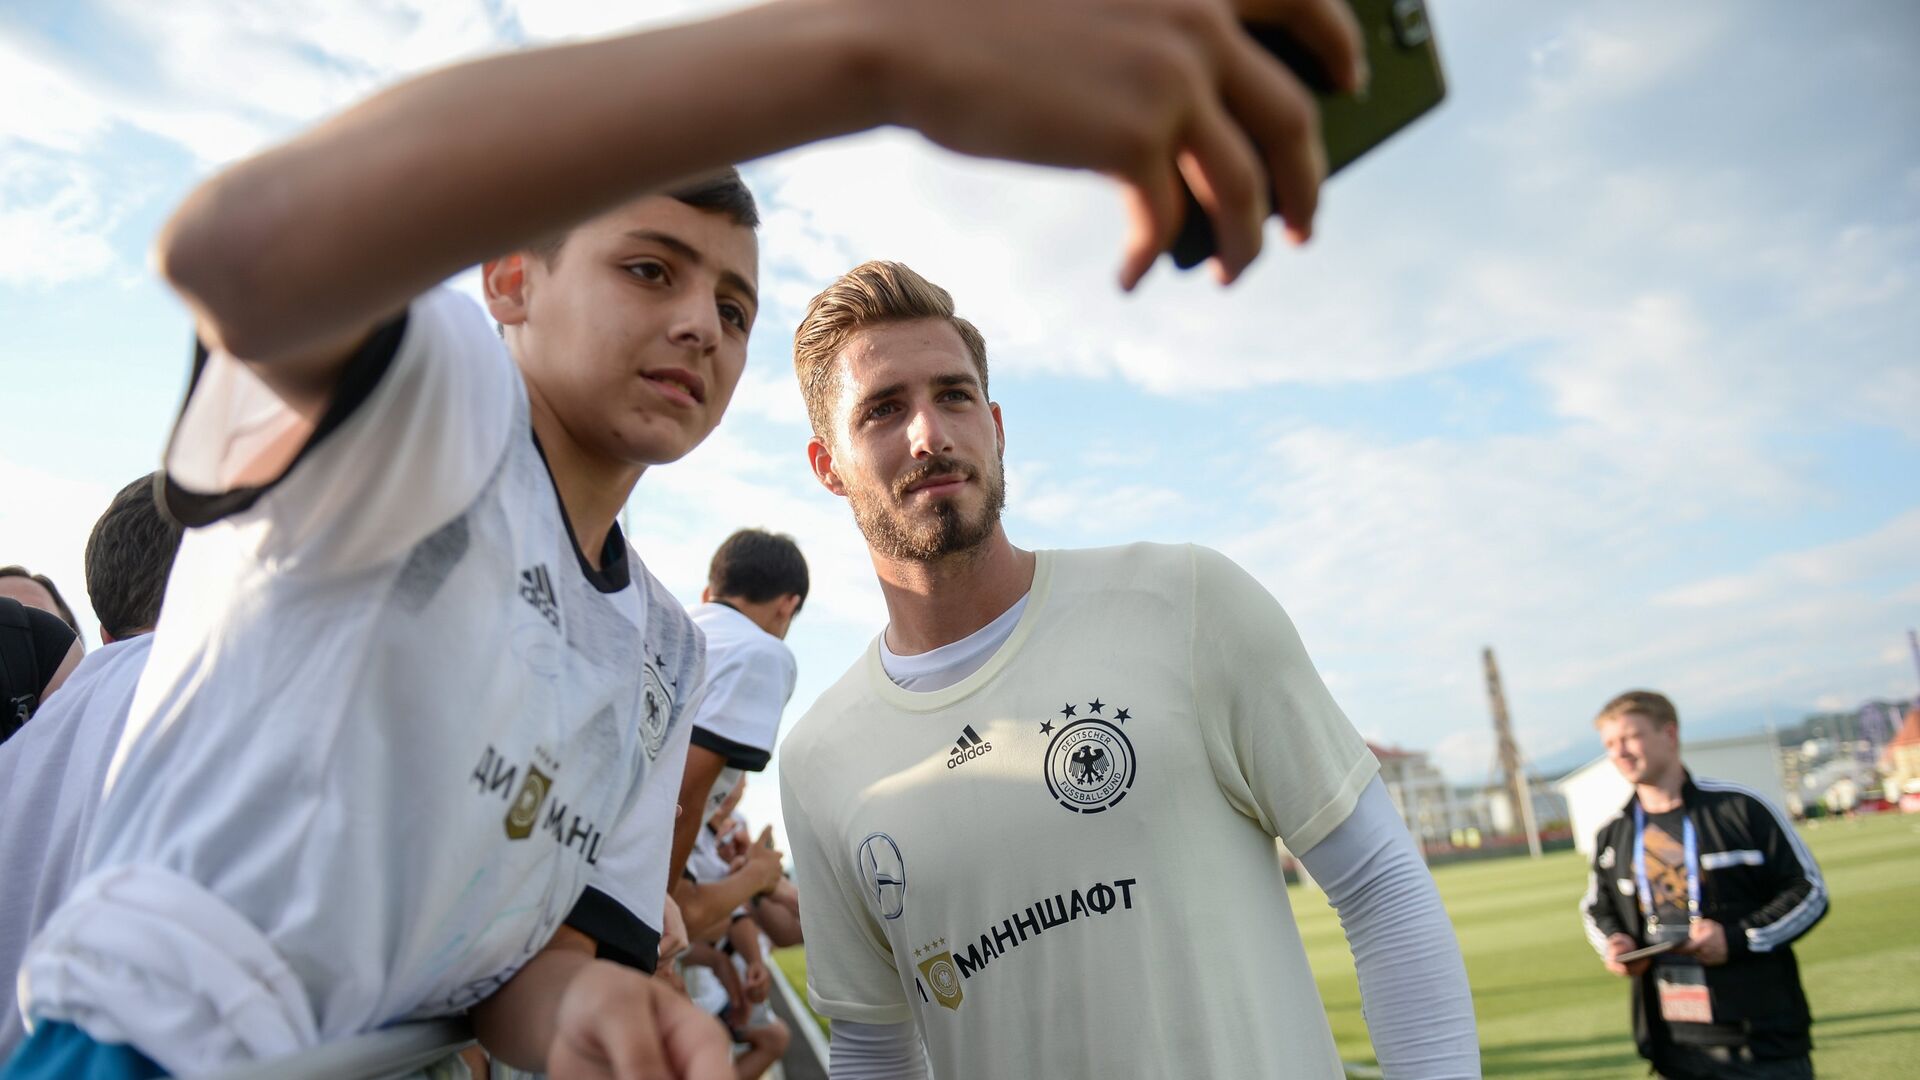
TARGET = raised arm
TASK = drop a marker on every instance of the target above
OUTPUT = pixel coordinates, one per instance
(292, 256)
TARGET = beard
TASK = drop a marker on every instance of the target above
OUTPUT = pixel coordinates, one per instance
(927, 537)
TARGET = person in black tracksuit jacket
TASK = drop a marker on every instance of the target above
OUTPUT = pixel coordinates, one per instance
(1718, 870)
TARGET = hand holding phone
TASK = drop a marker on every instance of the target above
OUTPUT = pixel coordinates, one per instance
(1407, 83)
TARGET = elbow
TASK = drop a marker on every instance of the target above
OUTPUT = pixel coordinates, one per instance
(210, 253)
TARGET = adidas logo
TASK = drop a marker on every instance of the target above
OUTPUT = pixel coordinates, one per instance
(970, 746)
(536, 588)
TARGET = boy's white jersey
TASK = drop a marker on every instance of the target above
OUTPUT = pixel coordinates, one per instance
(394, 730)
(1064, 864)
(750, 675)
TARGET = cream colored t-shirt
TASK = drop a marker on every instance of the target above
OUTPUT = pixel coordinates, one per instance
(1063, 865)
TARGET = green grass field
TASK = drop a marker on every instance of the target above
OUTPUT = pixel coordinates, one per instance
(1548, 1009)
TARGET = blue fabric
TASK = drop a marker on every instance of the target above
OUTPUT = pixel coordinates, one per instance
(57, 1051)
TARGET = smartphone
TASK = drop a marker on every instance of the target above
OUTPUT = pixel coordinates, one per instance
(1407, 84)
(1650, 950)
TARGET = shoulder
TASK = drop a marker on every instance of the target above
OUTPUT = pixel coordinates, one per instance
(52, 637)
(1738, 800)
(1606, 834)
(1140, 567)
(449, 314)
(116, 661)
(819, 730)
(670, 631)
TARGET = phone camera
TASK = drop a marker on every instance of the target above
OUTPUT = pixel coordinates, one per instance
(1410, 25)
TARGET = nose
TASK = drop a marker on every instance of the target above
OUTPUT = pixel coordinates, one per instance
(926, 435)
(695, 324)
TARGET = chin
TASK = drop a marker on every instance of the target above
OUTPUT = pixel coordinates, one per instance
(658, 445)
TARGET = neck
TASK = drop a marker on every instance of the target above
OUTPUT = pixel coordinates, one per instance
(1659, 795)
(592, 488)
(930, 604)
(765, 615)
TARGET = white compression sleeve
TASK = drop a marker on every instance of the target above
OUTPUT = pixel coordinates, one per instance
(1413, 983)
(875, 1052)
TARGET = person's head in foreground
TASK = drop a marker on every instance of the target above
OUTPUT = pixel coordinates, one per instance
(631, 328)
(36, 591)
(129, 555)
(1641, 732)
(760, 574)
(896, 390)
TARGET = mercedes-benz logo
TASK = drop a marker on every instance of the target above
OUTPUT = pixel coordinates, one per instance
(885, 874)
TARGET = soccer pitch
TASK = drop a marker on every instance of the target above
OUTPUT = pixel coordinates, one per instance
(1548, 1009)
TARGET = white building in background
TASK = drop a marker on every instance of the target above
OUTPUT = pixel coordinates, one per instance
(1432, 809)
(1595, 791)
(1549, 806)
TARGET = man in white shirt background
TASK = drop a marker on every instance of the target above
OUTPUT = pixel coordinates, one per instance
(1033, 826)
(756, 584)
(52, 773)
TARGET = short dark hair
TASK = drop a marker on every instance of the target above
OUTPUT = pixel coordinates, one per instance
(129, 555)
(722, 192)
(60, 602)
(757, 566)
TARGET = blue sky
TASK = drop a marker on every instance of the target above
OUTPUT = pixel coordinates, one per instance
(1610, 364)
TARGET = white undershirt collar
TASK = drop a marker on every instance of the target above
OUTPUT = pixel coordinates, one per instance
(937, 669)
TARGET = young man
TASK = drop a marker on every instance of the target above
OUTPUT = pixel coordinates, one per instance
(1718, 873)
(51, 776)
(756, 583)
(406, 741)
(1036, 821)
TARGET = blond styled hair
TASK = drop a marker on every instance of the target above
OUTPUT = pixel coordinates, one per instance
(872, 294)
(1654, 707)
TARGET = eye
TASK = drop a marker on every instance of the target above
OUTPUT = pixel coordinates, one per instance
(881, 411)
(735, 314)
(956, 394)
(648, 270)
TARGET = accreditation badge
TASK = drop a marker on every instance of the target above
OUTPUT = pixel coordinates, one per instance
(1683, 994)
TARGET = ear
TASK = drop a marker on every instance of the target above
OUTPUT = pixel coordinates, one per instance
(706, 594)
(821, 460)
(786, 606)
(505, 282)
(999, 426)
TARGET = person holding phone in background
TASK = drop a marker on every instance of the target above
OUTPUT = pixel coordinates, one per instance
(1717, 875)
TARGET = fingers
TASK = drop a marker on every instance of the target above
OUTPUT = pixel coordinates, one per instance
(1280, 115)
(1327, 28)
(1154, 213)
(1224, 171)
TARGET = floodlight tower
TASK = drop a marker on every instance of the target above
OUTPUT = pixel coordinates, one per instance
(1508, 752)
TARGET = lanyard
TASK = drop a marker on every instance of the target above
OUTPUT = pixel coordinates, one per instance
(1690, 845)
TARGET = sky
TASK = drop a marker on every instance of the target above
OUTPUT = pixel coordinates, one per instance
(1612, 363)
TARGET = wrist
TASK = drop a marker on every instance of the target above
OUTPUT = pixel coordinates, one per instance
(1736, 939)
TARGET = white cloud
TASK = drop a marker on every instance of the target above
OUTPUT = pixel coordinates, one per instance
(55, 223)
(1888, 550)
(44, 523)
(1607, 57)
(45, 104)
